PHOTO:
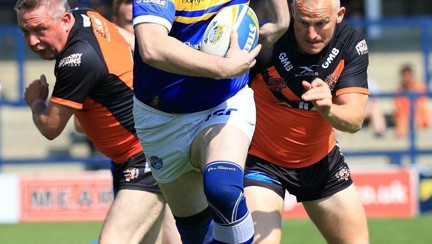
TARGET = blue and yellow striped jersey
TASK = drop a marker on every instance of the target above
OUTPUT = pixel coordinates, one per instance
(186, 20)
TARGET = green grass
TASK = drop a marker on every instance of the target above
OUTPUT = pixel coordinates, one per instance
(382, 231)
(50, 233)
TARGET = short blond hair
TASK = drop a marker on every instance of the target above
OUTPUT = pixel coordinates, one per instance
(61, 6)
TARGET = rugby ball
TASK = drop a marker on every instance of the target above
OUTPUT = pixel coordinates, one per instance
(216, 37)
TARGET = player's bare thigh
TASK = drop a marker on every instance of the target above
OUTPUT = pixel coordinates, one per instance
(266, 207)
(185, 195)
(220, 142)
(340, 217)
(133, 214)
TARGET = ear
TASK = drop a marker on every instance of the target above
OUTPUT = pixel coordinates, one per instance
(67, 20)
(340, 14)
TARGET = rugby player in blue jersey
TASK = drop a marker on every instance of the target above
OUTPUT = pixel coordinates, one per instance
(195, 115)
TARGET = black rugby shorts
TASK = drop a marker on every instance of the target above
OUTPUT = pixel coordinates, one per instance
(322, 179)
(144, 181)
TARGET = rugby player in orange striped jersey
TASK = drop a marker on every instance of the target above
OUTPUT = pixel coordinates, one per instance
(94, 82)
(315, 81)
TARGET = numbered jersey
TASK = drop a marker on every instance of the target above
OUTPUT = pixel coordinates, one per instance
(186, 20)
(290, 132)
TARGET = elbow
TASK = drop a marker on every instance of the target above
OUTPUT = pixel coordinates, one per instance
(354, 130)
(355, 127)
(50, 134)
(351, 128)
(148, 55)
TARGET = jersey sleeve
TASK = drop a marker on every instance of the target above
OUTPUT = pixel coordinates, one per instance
(76, 75)
(156, 11)
(354, 74)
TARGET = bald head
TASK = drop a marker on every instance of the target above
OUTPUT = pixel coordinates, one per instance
(315, 22)
(333, 4)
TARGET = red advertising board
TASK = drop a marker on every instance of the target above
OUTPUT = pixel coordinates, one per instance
(384, 193)
(65, 197)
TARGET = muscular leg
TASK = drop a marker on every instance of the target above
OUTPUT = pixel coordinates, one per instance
(185, 195)
(266, 207)
(340, 217)
(132, 215)
(221, 150)
(187, 201)
(170, 234)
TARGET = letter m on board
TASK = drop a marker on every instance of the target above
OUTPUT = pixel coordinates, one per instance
(40, 199)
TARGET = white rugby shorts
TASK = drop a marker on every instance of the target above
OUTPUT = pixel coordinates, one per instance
(167, 138)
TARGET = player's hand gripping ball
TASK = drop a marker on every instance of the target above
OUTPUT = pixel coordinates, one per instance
(216, 37)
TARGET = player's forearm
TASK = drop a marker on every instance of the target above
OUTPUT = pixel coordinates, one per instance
(40, 119)
(281, 13)
(181, 59)
(345, 118)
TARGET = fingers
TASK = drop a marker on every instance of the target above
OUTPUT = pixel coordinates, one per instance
(43, 79)
(316, 90)
(306, 85)
(234, 39)
(256, 50)
(252, 64)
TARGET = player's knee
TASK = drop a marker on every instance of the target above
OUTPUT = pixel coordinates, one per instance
(223, 186)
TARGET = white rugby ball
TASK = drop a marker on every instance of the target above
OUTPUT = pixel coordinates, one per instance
(216, 37)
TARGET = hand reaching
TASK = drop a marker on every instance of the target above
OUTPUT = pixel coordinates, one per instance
(318, 92)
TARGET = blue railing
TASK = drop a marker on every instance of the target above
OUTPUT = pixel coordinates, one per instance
(425, 25)
(396, 156)
(20, 47)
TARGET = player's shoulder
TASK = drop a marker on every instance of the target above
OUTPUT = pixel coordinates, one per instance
(78, 54)
(347, 33)
(354, 40)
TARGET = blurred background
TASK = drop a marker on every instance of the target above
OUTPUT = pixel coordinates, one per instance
(391, 156)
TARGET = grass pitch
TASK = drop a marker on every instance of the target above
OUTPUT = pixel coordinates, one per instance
(382, 231)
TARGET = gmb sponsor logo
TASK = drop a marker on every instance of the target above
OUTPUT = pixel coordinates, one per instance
(334, 52)
(73, 60)
(285, 62)
(157, 2)
(362, 47)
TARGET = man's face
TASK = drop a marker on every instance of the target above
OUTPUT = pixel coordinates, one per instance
(124, 18)
(44, 34)
(314, 24)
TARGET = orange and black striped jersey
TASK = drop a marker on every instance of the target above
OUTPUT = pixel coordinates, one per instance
(94, 75)
(289, 131)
